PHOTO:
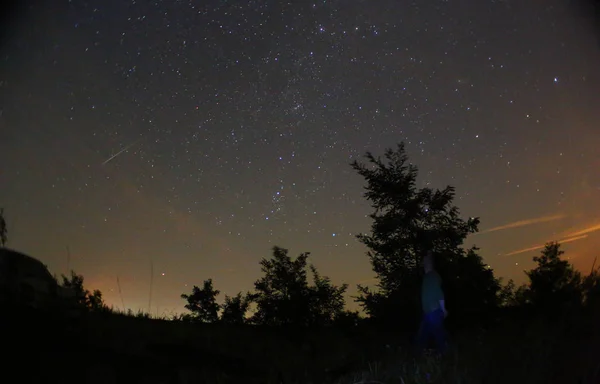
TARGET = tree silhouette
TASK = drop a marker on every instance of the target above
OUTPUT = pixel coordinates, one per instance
(348, 319)
(202, 303)
(281, 295)
(472, 291)
(554, 285)
(591, 287)
(327, 303)
(506, 296)
(90, 301)
(407, 221)
(284, 297)
(235, 309)
(3, 229)
(511, 296)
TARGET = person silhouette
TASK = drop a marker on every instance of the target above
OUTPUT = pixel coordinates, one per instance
(433, 306)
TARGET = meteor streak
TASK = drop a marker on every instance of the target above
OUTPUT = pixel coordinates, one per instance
(121, 151)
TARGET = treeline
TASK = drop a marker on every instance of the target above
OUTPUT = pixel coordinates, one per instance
(407, 221)
(284, 296)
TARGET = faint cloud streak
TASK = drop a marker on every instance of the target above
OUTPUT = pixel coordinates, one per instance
(563, 241)
(585, 231)
(522, 223)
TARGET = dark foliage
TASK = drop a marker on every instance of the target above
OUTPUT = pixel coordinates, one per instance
(3, 229)
(407, 222)
(555, 287)
(202, 303)
(348, 319)
(473, 293)
(281, 294)
(90, 301)
(591, 288)
(284, 297)
(327, 300)
(235, 309)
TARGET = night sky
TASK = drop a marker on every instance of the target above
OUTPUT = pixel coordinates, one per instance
(191, 137)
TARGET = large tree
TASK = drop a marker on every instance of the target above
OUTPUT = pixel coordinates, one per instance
(407, 222)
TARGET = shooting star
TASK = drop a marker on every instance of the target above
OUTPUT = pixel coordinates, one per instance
(121, 151)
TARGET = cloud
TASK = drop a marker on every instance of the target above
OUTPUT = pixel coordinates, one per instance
(585, 231)
(522, 223)
(563, 241)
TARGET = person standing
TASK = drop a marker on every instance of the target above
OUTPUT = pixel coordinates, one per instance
(434, 308)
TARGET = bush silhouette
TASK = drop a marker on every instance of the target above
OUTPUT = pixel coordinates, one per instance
(202, 303)
(84, 299)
